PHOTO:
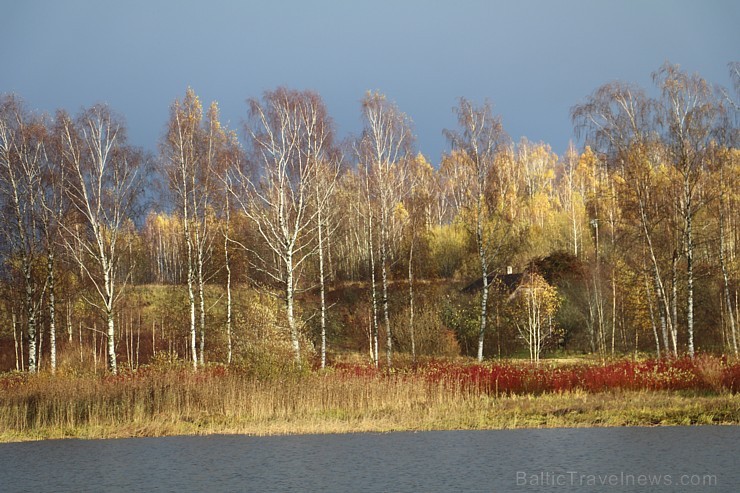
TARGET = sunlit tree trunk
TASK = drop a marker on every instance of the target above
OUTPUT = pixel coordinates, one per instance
(689, 272)
(383, 148)
(52, 312)
(384, 280)
(227, 266)
(371, 258)
(201, 298)
(373, 292)
(287, 131)
(102, 187)
(480, 139)
(649, 296)
(322, 283)
(725, 276)
(22, 150)
(411, 298)
(483, 259)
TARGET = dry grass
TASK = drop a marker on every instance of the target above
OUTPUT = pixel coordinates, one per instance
(216, 400)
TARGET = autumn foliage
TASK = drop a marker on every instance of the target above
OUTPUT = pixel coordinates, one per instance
(705, 373)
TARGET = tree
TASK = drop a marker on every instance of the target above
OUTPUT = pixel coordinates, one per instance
(53, 210)
(193, 154)
(417, 209)
(180, 153)
(22, 154)
(572, 197)
(725, 160)
(384, 147)
(226, 231)
(104, 181)
(220, 150)
(288, 130)
(687, 113)
(480, 139)
(326, 172)
(535, 305)
(618, 121)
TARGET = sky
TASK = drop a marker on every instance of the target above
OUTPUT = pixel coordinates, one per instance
(533, 60)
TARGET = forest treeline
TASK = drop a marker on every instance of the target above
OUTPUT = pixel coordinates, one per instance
(279, 243)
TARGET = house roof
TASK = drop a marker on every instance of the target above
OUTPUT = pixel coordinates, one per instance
(508, 281)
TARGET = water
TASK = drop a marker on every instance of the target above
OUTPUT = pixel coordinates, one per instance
(598, 459)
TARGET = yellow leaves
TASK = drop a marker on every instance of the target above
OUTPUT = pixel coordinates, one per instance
(422, 165)
(536, 292)
(400, 213)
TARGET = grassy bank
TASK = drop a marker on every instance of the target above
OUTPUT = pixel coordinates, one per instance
(437, 396)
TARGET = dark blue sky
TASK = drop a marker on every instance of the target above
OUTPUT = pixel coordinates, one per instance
(532, 59)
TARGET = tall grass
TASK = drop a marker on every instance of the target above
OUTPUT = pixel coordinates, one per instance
(165, 401)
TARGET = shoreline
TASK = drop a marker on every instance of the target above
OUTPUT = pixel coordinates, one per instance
(564, 410)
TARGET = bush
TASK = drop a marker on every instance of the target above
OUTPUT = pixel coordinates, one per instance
(431, 336)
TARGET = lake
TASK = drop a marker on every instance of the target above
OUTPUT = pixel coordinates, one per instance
(587, 459)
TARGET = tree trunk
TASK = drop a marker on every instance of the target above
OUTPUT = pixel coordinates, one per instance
(726, 279)
(69, 322)
(31, 315)
(191, 298)
(289, 310)
(484, 274)
(411, 300)
(614, 308)
(649, 296)
(52, 313)
(201, 308)
(384, 277)
(689, 271)
(373, 294)
(322, 287)
(668, 322)
(227, 264)
(111, 342)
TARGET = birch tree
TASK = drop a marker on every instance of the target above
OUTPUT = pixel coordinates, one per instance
(384, 150)
(726, 163)
(179, 152)
(618, 120)
(103, 184)
(230, 156)
(417, 205)
(480, 138)
(536, 303)
(21, 155)
(191, 152)
(687, 114)
(286, 130)
(53, 210)
(326, 172)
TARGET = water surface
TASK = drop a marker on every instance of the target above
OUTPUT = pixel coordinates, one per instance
(595, 459)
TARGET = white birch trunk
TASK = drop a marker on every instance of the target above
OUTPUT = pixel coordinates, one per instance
(689, 269)
(649, 296)
(289, 310)
(373, 292)
(31, 317)
(411, 300)
(52, 313)
(726, 281)
(191, 293)
(227, 265)
(484, 274)
(384, 279)
(15, 344)
(201, 309)
(322, 286)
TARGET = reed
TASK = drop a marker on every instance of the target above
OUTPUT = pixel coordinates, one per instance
(353, 398)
